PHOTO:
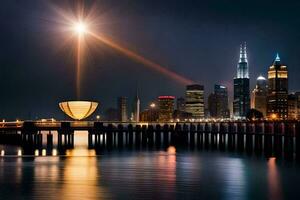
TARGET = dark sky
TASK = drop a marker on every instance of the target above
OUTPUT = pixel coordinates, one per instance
(197, 39)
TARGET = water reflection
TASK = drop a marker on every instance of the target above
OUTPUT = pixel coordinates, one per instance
(80, 152)
(81, 176)
(233, 170)
(72, 177)
(54, 152)
(19, 153)
(274, 181)
(44, 152)
(2, 153)
(171, 173)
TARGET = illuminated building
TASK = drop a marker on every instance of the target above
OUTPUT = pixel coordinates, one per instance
(277, 105)
(181, 115)
(78, 110)
(241, 99)
(144, 116)
(259, 95)
(166, 108)
(122, 109)
(218, 102)
(293, 106)
(298, 104)
(150, 114)
(194, 100)
(222, 97)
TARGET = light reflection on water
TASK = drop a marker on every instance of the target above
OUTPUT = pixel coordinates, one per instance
(130, 174)
(274, 183)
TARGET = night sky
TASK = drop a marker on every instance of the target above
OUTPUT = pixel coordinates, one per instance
(197, 39)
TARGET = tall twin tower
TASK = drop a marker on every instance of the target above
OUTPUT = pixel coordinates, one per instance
(241, 97)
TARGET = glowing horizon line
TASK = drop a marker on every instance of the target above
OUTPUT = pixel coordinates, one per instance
(142, 59)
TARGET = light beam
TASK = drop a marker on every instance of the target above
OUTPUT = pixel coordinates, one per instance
(142, 59)
(78, 66)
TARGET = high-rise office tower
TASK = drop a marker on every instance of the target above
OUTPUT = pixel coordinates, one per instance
(212, 105)
(241, 99)
(150, 114)
(222, 96)
(166, 108)
(136, 108)
(122, 109)
(277, 98)
(180, 104)
(292, 106)
(298, 104)
(194, 100)
(218, 102)
(259, 95)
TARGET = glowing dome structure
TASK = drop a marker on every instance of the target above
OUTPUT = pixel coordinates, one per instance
(78, 110)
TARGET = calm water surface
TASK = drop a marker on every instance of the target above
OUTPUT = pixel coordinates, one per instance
(145, 174)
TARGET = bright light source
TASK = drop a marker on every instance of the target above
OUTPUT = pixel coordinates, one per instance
(54, 152)
(274, 116)
(44, 152)
(19, 152)
(152, 105)
(80, 28)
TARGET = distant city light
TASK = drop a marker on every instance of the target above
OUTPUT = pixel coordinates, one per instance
(54, 152)
(44, 152)
(171, 150)
(274, 116)
(261, 78)
(166, 97)
(19, 152)
(152, 105)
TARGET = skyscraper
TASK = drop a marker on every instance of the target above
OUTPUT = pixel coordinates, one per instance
(277, 99)
(150, 114)
(194, 100)
(259, 95)
(292, 106)
(212, 105)
(166, 108)
(180, 104)
(136, 108)
(122, 109)
(241, 101)
(218, 102)
(298, 104)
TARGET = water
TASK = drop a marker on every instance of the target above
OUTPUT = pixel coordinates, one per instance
(145, 174)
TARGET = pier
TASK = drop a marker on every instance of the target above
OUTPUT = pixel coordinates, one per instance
(279, 138)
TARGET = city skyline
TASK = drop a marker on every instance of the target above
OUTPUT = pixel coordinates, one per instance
(139, 99)
(47, 61)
